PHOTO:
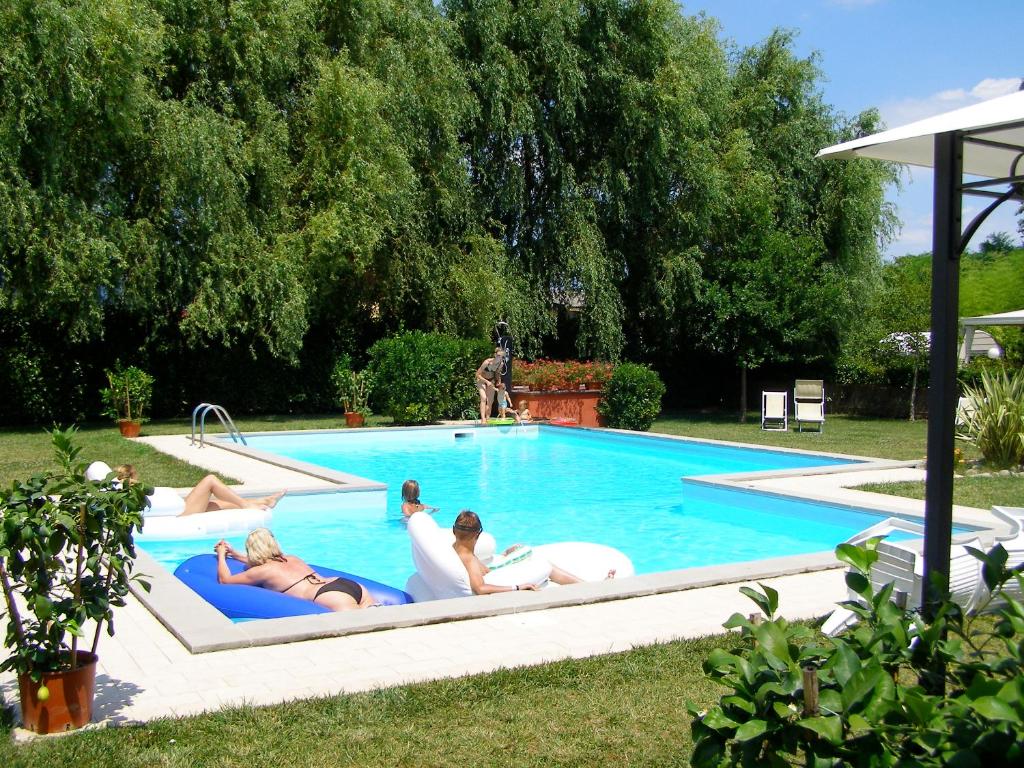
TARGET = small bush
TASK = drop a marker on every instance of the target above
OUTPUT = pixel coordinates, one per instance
(996, 422)
(632, 397)
(420, 378)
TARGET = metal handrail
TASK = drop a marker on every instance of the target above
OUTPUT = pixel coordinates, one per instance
(225, 421)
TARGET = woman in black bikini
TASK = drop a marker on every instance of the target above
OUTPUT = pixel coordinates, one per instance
(266, 566)
(487, 376)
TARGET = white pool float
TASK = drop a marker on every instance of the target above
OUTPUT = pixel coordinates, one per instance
(440, 573)
(162, 519)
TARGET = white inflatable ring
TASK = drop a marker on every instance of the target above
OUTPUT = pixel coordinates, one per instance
(586, 560)
(204, 525)
(162, 518)
(533, 570)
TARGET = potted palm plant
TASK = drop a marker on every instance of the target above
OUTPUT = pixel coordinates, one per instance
(66, 556)
(127, 398)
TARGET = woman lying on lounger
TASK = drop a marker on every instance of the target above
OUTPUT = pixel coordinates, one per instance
(266, 566)
(209, 495)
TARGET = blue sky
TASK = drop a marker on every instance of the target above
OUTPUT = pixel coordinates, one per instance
(908, 58)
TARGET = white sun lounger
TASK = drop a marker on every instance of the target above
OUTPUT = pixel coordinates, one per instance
(901, 563)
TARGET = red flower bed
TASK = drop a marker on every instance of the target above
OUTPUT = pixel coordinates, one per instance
(543, 374)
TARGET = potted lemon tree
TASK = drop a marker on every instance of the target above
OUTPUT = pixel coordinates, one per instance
(66, 556)
(127, 398)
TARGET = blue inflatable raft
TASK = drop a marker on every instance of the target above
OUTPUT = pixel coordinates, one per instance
(240, 601)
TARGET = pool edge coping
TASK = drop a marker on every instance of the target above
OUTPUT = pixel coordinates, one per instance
(201, 628)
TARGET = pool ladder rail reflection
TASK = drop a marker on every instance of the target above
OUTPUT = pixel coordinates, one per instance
(225, 421)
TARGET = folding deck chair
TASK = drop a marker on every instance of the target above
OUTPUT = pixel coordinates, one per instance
(809, 403)
(774, 411)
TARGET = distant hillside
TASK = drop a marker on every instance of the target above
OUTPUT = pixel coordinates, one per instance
(988, 282)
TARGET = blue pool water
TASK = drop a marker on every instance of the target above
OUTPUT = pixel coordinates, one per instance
(540, 485)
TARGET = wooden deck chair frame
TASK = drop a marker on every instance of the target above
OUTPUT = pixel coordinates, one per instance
(774, 411)
(809, 403)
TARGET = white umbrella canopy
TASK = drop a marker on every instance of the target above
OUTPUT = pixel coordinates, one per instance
(984, 140)
(997, 123)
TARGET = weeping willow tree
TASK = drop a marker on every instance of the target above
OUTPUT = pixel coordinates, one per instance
(592, 157)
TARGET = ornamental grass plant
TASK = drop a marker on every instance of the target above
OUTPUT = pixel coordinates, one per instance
(995, 423)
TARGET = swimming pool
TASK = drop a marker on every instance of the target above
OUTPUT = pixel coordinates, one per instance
(538, 485)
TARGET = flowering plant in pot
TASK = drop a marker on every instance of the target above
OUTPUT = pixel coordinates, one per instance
(66, 556)
(127, 398)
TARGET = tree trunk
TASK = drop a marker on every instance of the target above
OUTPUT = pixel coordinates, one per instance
(743, 392)
(913, 394)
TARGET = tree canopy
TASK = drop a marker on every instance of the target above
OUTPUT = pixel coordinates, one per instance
(234, 193)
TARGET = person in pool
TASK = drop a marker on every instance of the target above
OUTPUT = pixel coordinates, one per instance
(487, 375)
(209, 495)
(467, 530)
(268, 567)
(411, 500)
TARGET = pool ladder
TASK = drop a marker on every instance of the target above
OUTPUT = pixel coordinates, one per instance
(225, 421)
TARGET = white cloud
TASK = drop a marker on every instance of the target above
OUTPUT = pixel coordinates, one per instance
(910, 109)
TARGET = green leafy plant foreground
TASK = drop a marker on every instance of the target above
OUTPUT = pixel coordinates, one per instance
(871, 708)
(632, 398)
(66, 556)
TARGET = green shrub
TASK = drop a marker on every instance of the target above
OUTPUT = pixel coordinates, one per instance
(970, 375)
(995, 423)
(871, 710)
(632, 397)
(419, 378)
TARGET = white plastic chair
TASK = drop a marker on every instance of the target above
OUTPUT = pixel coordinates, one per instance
(901, 563)
(774, 411)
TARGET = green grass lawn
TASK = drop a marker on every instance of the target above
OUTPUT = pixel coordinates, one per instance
(622, 709)
(879, 438)
(26, 451)
(970, 491)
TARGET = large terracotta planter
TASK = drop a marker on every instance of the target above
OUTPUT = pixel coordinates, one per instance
(129, 428)
(579, 406)
(354, 419)
(69, 705)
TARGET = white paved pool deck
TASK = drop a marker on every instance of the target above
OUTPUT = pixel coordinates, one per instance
(145, 672)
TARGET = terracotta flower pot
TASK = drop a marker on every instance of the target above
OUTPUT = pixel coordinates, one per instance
(354, 419)
(129, 428)
(69, 704)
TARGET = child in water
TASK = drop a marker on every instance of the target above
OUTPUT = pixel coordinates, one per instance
(411, 500)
